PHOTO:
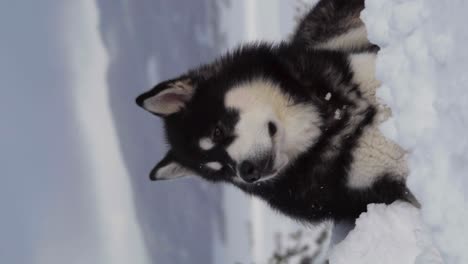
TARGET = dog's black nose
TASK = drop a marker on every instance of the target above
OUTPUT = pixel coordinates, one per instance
(248, 171)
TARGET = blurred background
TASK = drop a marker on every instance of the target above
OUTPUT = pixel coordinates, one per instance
(75, 150)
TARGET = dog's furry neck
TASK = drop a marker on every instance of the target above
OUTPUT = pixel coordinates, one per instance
(350, 155)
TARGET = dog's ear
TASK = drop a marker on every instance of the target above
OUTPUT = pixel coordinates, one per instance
(168, 168)
(168, 97)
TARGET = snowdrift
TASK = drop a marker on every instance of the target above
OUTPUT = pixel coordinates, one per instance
(387, 234)
(422, 65)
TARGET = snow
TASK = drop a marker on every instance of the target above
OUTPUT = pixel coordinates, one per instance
(387, 234)
(422, 66)
(337, 114)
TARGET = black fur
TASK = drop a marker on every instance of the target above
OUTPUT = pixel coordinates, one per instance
(328, 19)
(314, 187)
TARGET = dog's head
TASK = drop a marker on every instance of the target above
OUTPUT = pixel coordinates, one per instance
(233, 120)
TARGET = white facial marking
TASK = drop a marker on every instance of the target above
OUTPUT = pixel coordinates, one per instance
(214, 165)
(259, 102)
(354, 38)
(206, 144)
(328, 96)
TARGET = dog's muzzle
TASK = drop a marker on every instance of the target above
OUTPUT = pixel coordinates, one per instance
(253, 170)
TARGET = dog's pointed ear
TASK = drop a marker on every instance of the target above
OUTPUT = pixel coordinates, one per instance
(409, 197)
(168, 97)
(168, 168)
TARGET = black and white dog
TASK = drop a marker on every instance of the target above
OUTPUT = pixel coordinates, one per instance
(294, 123)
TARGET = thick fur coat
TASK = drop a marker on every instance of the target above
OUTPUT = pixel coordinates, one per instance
(294, 123)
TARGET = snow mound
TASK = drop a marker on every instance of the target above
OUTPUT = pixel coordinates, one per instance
(422, 66)
(387, 234)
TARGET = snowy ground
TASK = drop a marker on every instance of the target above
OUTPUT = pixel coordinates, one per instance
(387, 235)
(422, 66)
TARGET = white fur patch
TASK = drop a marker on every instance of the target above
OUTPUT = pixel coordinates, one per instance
(374, 156)
(261, 101)
(206, 143)
(354, 38)
(214, 165)
(363, 67)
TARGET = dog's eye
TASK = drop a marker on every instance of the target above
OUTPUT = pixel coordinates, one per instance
(217, 134)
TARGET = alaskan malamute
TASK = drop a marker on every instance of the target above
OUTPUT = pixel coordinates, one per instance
(294, 123)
